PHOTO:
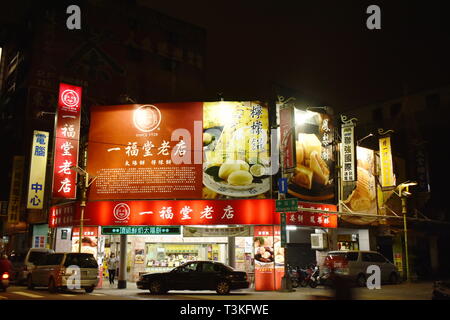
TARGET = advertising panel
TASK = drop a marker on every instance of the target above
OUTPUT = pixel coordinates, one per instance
(36, 184)
(67, 136)
(162, 151)
(15, 193)
(89, 240)
(387, 169)
(146, 151)
(363, 199)
(236, 143)
(287, 137)
(269, 258)
(313, 177)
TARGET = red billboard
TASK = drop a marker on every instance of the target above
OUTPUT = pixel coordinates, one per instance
(313, 219)
(146, 151)
(67, 136)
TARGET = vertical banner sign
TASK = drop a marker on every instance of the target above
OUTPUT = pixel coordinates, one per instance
(287, 138)
(16, 190)
(422, 174)
(348, 153)
(67, 136)
(36, 184)
(269, 258)
(387, 171)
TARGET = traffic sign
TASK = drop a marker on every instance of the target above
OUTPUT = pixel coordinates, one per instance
(282, 185)
(286, 205)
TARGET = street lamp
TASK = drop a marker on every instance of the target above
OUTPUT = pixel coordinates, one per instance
(360, 140)
(84, 186)
(403, 193)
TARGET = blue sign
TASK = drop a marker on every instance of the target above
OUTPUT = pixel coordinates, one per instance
(282, 185)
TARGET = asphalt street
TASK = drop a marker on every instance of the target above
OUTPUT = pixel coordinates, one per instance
(403, 291)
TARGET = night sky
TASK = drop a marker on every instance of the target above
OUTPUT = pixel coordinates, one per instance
(322, 49)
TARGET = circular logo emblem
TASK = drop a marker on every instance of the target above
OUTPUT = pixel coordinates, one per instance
(121, 211)
(147, 118)
(70, 98)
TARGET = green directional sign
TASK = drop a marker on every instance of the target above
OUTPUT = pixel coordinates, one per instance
(141, 230)
(286, 205)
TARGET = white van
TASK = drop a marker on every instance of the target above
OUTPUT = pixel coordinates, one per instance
(21, 269)
(353, 264)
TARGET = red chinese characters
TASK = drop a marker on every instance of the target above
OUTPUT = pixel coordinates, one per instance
(67, 135)
(180, 212)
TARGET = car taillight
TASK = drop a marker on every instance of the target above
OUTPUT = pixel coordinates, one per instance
(5, 276)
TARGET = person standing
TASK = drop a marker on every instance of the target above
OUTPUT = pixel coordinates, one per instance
(112, 266)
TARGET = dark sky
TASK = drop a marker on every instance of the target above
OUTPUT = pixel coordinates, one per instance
(320, 48)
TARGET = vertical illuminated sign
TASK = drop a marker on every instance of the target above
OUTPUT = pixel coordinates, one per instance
(387, 171)
(67, 136)
(36, 183)
(348, 153)
(16, 190)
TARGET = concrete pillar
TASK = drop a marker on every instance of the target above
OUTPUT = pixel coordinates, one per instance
(232, 252)
(122, 284)
(364, 239)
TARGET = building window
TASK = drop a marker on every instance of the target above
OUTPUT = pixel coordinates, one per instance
(395, 109)
(433, 101)
(377, 115)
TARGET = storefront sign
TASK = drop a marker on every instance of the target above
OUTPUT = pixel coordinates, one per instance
(62, 215)
(142, 230)
(179, 212)
(15, 193)
(314, 219)
(36, 184)
(313, 177)
(243, 231)
(146, 151)
(67, 136)
(348, 153)
(387, 170)
(422, 173)
(269, 258)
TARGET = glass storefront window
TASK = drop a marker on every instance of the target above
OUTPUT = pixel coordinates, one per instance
(162, 257)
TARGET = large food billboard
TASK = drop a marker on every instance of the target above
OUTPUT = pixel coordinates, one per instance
(188, 150)
(312, 179)
(363, 199)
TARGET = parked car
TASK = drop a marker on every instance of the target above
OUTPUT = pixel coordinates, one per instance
(195, 275)
(441, 290)
(23, 264)
(354, 264)
(56, 272)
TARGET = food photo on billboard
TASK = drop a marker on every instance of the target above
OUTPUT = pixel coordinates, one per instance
(236, 146)
(312, 179)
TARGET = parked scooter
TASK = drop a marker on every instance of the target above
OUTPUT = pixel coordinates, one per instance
(294, 275)
(312, 278)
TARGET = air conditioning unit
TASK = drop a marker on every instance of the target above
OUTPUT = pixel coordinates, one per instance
(319, 241)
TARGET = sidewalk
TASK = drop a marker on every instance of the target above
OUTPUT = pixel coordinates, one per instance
(403, 291)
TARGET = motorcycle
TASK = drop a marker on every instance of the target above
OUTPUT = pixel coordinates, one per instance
(294, 276)
(4, 281)
(313, 278)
